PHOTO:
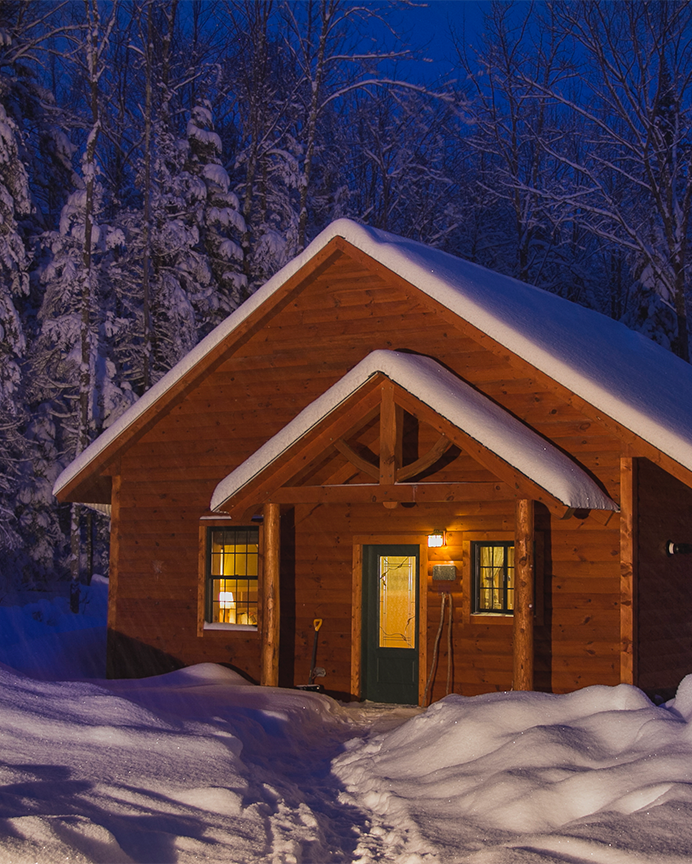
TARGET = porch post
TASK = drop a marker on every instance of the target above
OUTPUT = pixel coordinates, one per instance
(523, 594)
(628, 570)
(269, 675)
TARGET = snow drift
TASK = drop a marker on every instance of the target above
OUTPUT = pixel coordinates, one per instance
(199, 765)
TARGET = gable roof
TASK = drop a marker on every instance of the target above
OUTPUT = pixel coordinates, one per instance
(623, 374)
(466, 408)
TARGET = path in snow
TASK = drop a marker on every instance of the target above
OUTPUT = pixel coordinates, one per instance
(289, 741)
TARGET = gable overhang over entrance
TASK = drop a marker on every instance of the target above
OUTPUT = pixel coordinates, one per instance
(526, 465)
(637, 389)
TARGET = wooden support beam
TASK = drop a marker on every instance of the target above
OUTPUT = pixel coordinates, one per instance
(356, 459)
(374, 493)
(356, 620)
(269, 675)
(391, 426)
(523, 594)
(437, 451)
(628, 570)
(523, 486)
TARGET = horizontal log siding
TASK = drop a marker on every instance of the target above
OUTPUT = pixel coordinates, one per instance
(169, 475)
(665, 598)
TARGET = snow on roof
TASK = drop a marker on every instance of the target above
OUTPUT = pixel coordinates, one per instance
(620, 372)
(451, 398)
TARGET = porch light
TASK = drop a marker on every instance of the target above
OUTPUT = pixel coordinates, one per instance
(436, 538)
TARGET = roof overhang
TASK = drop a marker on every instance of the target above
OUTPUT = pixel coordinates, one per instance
(477, 418)
(628, 379)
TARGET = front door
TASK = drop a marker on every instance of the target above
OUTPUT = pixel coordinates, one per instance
(390, 624)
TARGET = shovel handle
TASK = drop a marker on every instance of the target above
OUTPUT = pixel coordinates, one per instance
(317, 623)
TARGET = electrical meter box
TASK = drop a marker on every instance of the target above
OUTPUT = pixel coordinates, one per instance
(444, 575)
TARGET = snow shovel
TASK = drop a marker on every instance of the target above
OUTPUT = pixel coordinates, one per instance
(314, 671)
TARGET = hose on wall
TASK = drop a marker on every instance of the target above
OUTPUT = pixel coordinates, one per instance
(446, 600)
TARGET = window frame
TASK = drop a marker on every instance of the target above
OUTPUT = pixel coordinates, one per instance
(204, 606)
(476, 546)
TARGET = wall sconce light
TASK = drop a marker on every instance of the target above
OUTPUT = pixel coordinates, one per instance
(437, 538)
(678, 548)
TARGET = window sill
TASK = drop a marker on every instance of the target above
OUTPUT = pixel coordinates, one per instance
(484, 617)
(252, 628)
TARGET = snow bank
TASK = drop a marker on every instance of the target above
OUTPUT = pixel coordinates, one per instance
(200, 766)
(526, 764)
(90, 776)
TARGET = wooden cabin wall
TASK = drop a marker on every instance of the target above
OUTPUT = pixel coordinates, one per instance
(577, 633)
(153, 617)
(664, 604)
(169, 474)
(578, 576)
(577, 606)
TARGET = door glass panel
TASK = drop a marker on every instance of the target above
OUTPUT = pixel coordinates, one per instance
(397, 601)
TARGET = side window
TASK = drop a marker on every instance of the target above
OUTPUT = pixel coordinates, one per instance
(493, 577)
(232, 567)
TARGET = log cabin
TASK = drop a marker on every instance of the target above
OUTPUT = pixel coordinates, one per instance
(475, 485)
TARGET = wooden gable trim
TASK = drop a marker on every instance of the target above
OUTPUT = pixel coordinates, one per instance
(305, 450)
(271, 484)
(390, 435)
(519, 484)
(363, 466)
(632, 444)
(437, 451)
(278, 300)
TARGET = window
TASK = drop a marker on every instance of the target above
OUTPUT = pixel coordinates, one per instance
(232, 567)
(493, 577)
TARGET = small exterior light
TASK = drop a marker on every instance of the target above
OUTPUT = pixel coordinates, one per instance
(436, 538)
(678, 548)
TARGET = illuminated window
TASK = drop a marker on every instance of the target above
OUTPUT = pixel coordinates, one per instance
(232, 567)
(493, 577)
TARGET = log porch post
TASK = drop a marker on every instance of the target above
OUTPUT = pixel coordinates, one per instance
(523, 594)
(269, 675)
(628, 570)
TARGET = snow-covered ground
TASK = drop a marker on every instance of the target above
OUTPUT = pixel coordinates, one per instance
(200, 766)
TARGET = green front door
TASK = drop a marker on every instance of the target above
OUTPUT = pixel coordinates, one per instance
(390, 624)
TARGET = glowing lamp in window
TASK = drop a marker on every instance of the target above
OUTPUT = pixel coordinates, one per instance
(436, 538)
(227, 607)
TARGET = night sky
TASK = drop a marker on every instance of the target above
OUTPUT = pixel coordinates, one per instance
(429, 28)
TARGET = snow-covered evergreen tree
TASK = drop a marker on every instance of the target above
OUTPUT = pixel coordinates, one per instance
(15, 204)
(220, 223)
(191, 245)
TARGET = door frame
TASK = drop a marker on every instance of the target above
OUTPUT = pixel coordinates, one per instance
(360, 540)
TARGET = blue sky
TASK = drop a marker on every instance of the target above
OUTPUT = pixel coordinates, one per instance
(434, 22)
